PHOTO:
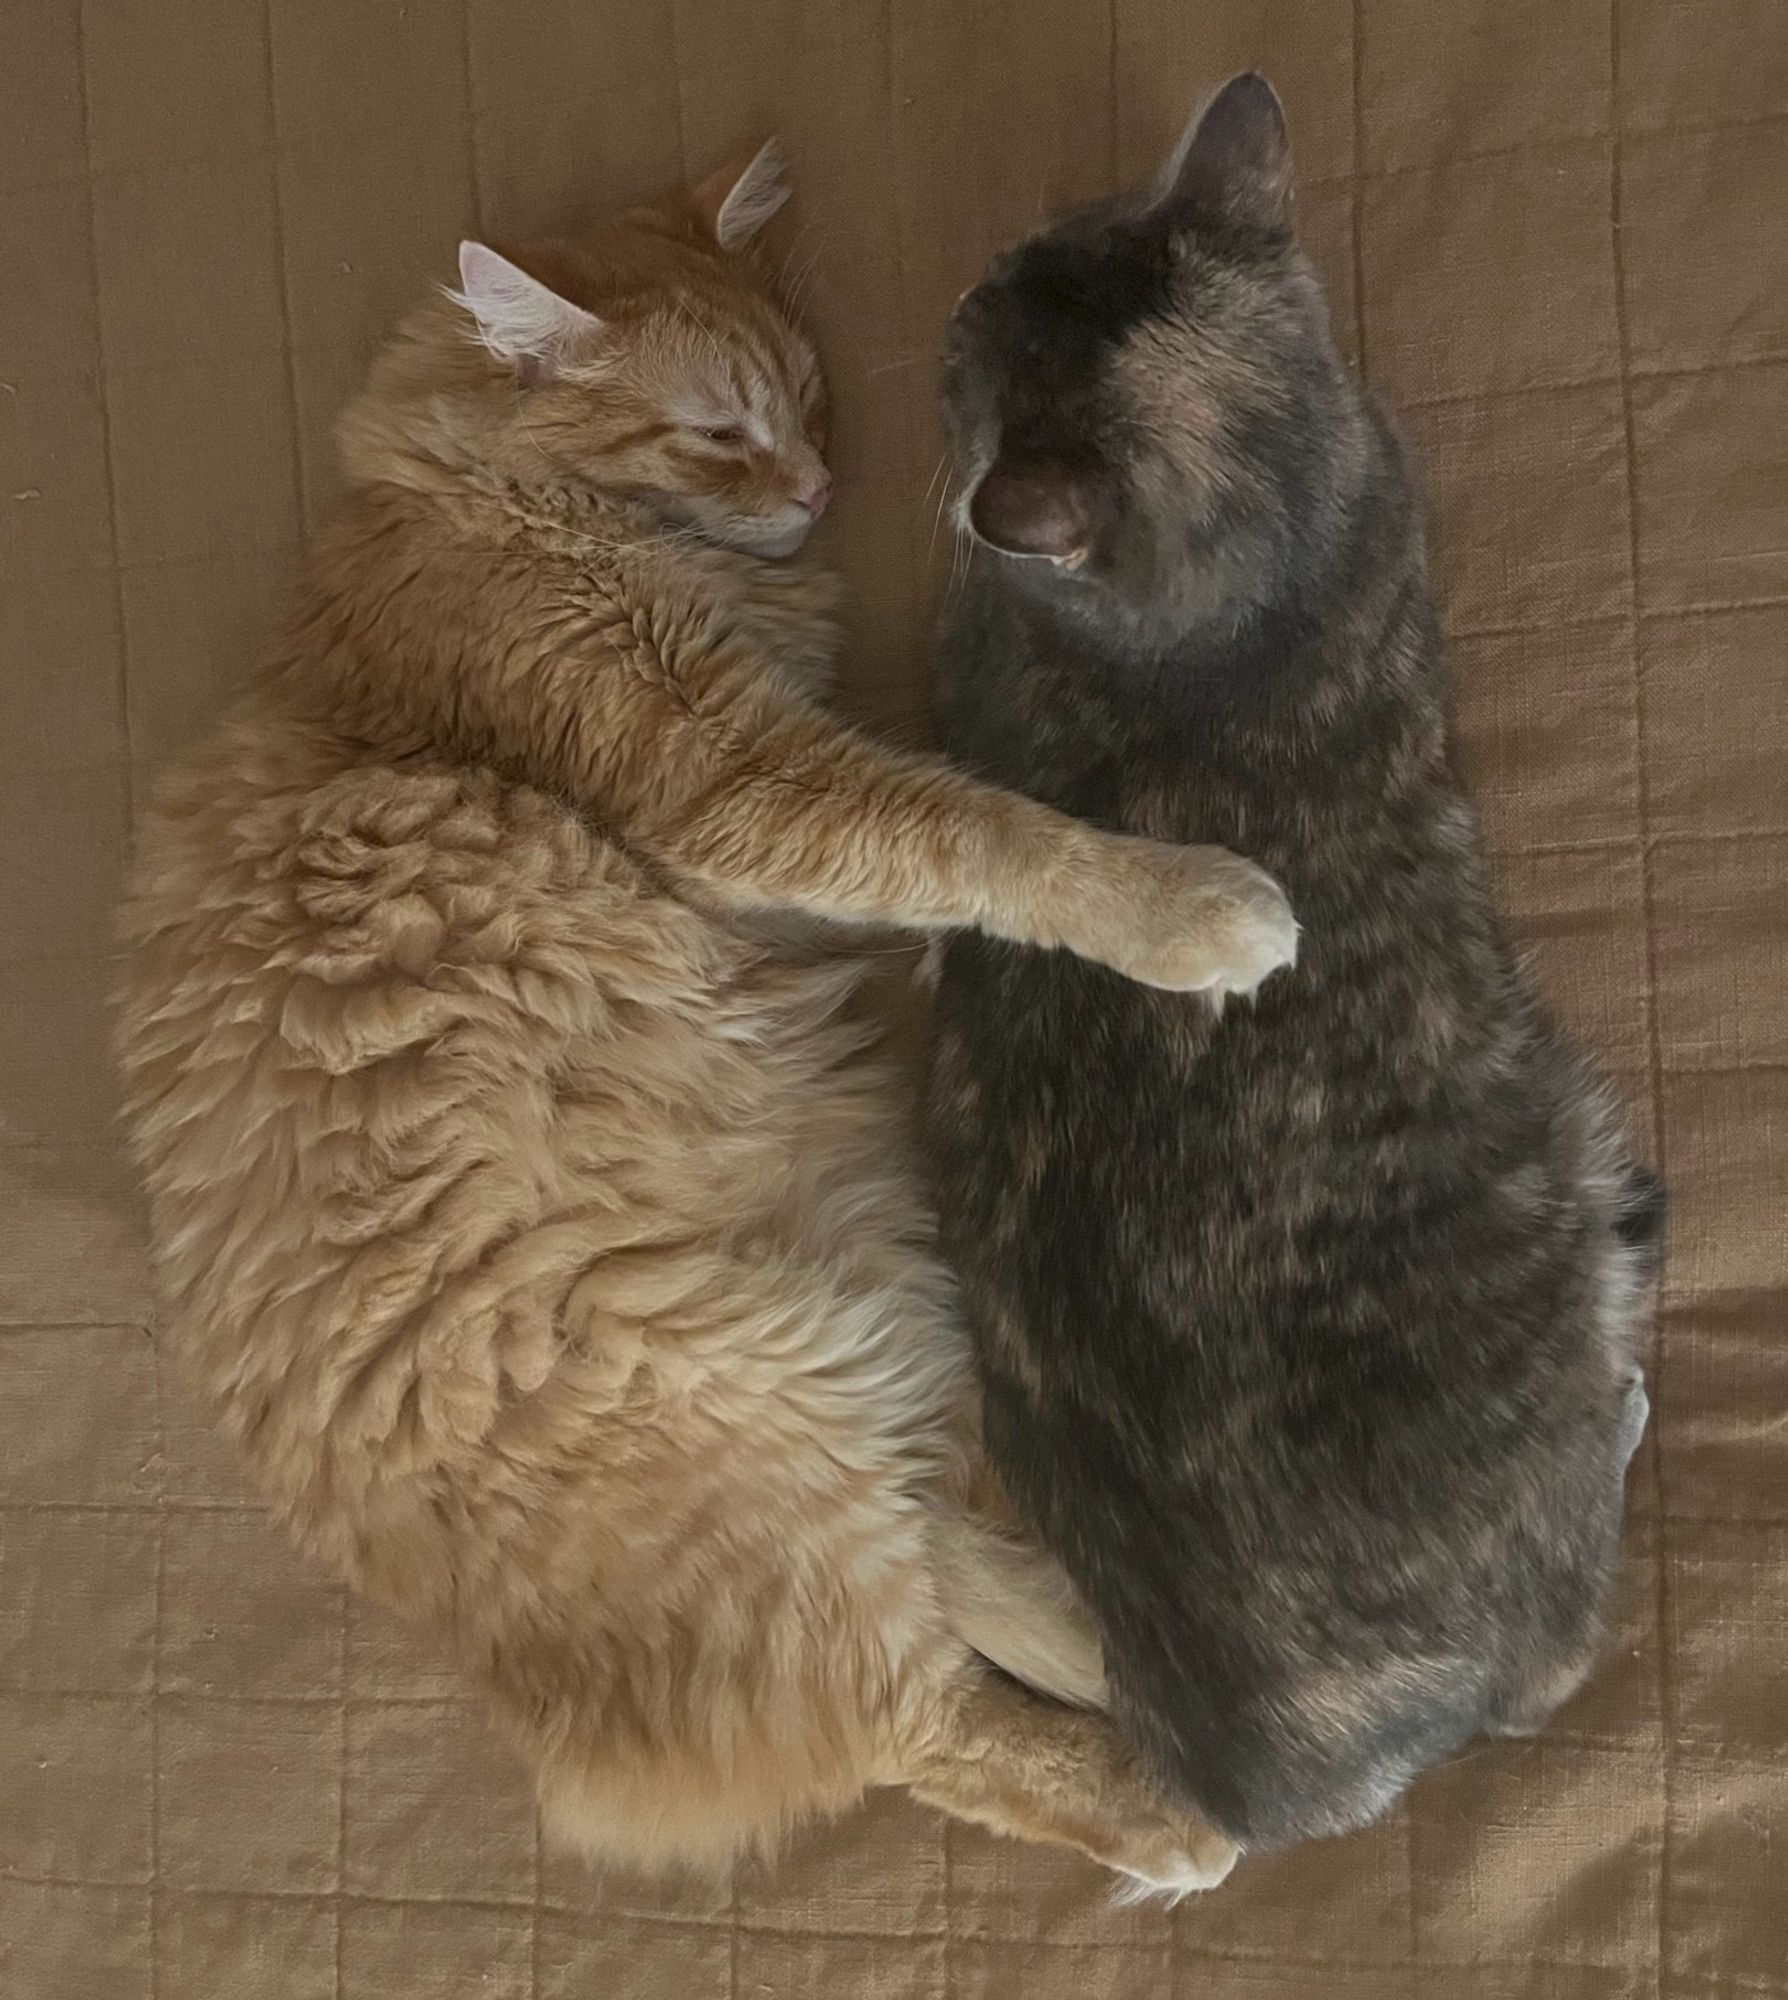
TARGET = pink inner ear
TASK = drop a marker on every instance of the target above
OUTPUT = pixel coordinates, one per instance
(1030, 514)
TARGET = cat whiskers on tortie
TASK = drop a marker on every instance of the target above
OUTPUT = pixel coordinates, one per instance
(937, 485)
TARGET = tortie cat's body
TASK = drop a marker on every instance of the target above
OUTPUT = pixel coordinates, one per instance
(1307, 1326)
(521, 1193)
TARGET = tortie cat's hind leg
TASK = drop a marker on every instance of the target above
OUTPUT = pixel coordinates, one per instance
(992, 1752)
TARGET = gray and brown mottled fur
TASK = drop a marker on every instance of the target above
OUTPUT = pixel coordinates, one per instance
(1306, 1325)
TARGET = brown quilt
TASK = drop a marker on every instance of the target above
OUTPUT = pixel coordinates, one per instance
(1554, 236)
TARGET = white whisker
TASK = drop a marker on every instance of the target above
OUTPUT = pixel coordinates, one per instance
(794, 289)
(959, 562)
(943, 501)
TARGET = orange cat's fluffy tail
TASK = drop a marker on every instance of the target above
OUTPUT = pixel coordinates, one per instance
(1015, 1606)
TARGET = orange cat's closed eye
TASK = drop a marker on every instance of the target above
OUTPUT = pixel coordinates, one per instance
(651, 357)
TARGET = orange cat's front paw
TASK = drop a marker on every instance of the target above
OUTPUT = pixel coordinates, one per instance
(1195, 920)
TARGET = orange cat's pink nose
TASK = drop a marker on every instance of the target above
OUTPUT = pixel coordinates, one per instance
(814, 495)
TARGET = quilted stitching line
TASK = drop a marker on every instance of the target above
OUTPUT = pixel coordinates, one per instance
(1666, 1689)
(1356, 215)
(925, 1934)
(1556, 385)
(108, 453)
(282, 266)
(341, 1780)
(155, 1671)
(474, 146)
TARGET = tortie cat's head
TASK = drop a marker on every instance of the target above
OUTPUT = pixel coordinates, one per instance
(1145, 402)
(648, 358)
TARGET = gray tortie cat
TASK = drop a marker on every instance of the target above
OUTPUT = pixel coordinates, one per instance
(1308, 1324)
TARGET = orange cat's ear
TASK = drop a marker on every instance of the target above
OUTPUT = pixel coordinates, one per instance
(735, 203)
(518, 318)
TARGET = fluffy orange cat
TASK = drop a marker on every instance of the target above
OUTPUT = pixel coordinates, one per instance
(522, 1196)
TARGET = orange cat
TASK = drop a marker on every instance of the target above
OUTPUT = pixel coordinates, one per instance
(521, 1195)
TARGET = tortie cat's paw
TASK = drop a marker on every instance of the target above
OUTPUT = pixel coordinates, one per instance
(1195, 920)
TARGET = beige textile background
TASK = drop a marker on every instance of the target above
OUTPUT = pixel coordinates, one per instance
(1553, 231)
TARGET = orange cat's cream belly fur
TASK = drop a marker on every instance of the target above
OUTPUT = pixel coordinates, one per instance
(571, 1287)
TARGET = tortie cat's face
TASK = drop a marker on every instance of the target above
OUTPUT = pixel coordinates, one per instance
(650, 359)
(1133, 391)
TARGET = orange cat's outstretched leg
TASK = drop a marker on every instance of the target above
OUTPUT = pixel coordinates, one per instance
(814, 816)
(756, 799)
(992, 1752)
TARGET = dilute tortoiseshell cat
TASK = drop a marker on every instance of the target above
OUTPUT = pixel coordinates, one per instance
(541, 1229)
(1307, 1327)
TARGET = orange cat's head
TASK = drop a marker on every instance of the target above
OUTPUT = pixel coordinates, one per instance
(646, 359)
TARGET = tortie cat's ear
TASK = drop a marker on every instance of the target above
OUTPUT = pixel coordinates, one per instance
(1032, 511)
(519, 319)
(1235, 156)
(735, 202)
